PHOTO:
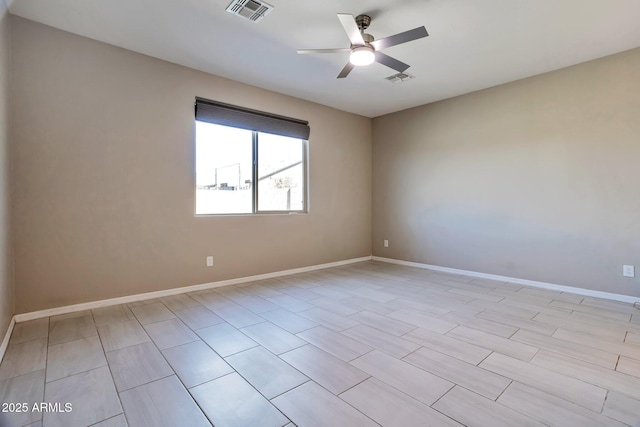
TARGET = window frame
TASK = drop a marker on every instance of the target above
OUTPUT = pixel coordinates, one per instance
(304, 143)
(256, 180)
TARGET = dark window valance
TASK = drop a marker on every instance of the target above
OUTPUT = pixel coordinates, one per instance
(244, 118)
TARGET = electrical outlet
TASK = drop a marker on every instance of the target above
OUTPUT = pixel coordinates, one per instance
(386, 243)
(628, 271)
(209, 261)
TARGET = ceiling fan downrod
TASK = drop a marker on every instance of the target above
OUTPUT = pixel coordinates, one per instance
(363, 22)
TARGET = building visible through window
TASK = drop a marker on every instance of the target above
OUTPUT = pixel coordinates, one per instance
(257, 166)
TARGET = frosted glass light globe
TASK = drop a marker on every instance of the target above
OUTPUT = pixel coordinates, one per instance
(362, 55)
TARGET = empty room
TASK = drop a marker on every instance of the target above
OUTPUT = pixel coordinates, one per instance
(366, 213)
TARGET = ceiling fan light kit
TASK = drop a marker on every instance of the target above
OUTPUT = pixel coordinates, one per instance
(364, 48)
(362, 55)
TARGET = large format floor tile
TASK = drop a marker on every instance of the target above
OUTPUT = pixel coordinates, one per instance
(591, 327)
(113, 314)
(198, 317)
(363, 344)
(117, 421)
(462, 350)
(390, 344)
(493, 328)
(518, 321)
(179, 302)
(622, 408)
(374, 294)
(390, 407)
(269, 374)
(162, 403)
(170, 333)
(632, 338)
(327, 370)
(588, 372)
(290, 303)
(335, 343)
(588, 354)
(23, 358)
(629, 366)
(195, 363)
(471, 377)
(230, 401)
(136, 365)
(236, 315)
(272, 337)
(490, 307)
(420, 319)
(474, 410)
(335, 306)
(91, 395)
(115, 336)
(370, 305)
(25, 389)
(557, 412)
(255, 303)
(383, 323)
(603, 321)
(328, 319)
(71, 329)
(311, 405)
(73, 357)
(416, 382)
(225, 339)
(288, 320)
(28, 331)
(563, 386)
(494, 342)
(151, 313)
(589, 340)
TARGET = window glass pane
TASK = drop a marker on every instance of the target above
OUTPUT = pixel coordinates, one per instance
(280, 173)
(223, 169)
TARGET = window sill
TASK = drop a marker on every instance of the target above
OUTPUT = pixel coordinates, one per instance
(251, 214)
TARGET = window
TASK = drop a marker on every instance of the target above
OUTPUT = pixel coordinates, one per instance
(248, 161)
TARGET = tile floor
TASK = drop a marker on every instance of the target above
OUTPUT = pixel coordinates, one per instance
(362, 345)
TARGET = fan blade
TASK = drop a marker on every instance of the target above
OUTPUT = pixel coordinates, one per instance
(346, 70)
(324, 50)
(407, 36)
(353, 32)
(391, 62)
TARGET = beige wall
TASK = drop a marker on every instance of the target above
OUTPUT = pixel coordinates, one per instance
(6, 288)
(103, 179)
(536, 179)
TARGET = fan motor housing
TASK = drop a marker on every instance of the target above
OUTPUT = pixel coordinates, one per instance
(363, 22)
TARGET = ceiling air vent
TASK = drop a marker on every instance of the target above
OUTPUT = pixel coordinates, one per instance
(252, 10)
(400, 77)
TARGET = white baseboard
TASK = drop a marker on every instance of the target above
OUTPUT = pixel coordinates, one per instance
(552, 286)
(168, 292)
(7, 336)
(175, 291)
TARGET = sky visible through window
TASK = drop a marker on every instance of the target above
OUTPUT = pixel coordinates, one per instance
(224, 151)
(224, 171)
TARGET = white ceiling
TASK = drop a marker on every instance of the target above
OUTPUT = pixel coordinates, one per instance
(472, 44)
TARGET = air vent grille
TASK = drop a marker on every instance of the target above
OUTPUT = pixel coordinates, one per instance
(252, 10)
(400, 77)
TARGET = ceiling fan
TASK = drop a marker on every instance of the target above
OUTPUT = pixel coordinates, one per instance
(364, 49)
